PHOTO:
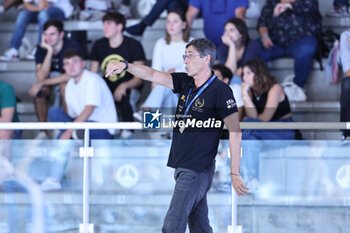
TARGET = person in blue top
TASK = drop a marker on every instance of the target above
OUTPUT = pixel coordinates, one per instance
(237, 48)
(215, 14)
(49, 69)
(204, 106)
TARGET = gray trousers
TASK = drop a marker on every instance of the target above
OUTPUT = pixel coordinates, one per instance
(189, 202)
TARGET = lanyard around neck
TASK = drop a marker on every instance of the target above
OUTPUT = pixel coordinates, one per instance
(197, 95)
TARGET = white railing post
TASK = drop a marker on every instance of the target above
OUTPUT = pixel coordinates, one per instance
(234, 228)
(86, 152)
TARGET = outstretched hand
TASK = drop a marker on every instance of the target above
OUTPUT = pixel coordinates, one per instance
(238, 185)
(115, 68)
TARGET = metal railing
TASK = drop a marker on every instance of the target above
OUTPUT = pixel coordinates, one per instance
(86, 152)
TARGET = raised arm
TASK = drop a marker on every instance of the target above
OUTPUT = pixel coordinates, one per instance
(141, 71)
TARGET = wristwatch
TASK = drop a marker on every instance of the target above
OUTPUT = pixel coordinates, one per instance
(126, 64)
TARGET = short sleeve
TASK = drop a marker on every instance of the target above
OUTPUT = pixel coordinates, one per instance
(196, 3)
(237, 94)
(40, 55)
(225, 102)
(179, 80)
(8, 98)
(93, 92)
(94, 52)
(157, 56)
(242, 3)
(137, 52)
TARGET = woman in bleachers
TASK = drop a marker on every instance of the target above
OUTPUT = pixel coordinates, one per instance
(345, 86)
(237, 48)
(167, 57)
(35, 11)
(264, 100)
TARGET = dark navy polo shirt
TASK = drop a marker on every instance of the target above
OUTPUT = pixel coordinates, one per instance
(196, 147)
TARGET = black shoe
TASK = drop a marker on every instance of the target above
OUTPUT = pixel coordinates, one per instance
(137, 29)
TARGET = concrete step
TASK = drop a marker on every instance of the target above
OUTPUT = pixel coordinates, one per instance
(94, 30)
(21, 75)
(131, 214)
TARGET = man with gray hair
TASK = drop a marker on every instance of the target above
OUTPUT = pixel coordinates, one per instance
(204, 106)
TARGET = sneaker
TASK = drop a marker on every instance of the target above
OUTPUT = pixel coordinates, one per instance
(294, 92)
(50, 184)
(31, 55)
(125, 10)
(338, 11)
(41, 136)
(10, 55)
(137, 116)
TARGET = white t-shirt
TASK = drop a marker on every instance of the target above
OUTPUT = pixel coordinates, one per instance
(65, 5)
(91, 90)
(168, 56)
(237, 93)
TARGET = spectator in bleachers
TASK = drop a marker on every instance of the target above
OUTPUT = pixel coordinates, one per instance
(8, 111)
(95, 9)
(264, 100)
(35, 11)
(340, 8)
(8, 4)
(288, 28)
(155, 12)
(87, 96)
(124, 9)
(215, 14)
(115, 47)
(237, 48)
(174, 43)
(49, 69)
(224, 74)
(345, 86)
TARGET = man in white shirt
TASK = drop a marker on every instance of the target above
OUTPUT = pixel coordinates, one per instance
(87, 96)
(38, 11)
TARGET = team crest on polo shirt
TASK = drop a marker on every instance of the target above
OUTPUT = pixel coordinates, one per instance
(198, 105)
(230, 103)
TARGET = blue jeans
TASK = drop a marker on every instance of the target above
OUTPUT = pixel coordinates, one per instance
(340, 2)
(252, 148)
(56, 114)
(161, 5)
(345, 103)
(25, 17)
(161, 97)
(302, 51)
(189, 202)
